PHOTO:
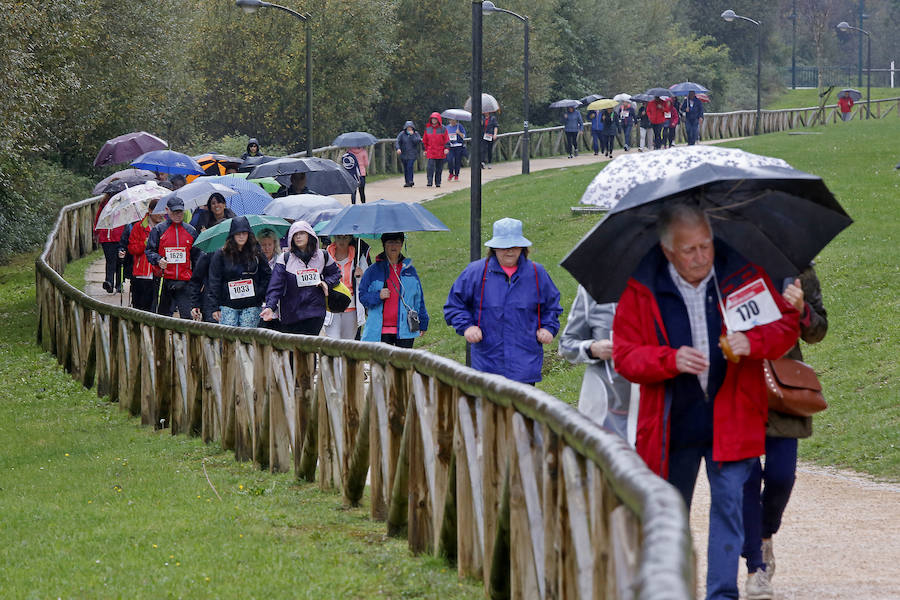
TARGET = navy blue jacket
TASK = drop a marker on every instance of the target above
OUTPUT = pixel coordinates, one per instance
(408, 143)
(692, 110)
(223, 269)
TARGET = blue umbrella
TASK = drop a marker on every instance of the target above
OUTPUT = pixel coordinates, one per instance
(250, 198)
(684, 88)
(383, 216)
(354, 139)
(168, 161)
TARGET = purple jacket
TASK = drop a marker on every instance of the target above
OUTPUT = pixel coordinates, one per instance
(299, 303)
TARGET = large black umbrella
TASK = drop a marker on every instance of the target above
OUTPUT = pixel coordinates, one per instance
(354, 139)
(591, 98)
(776, 217)
(658, 91)
(323, 176)
(251, 162)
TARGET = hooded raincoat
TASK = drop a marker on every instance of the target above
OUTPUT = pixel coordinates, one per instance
(288, 285)
(436, 139)
(509, 311)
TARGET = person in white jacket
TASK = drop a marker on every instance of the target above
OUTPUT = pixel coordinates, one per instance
(352, 265)
(587, 338)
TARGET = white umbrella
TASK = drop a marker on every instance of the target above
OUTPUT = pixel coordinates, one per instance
(622, 97)
(488, 104)
(129, 205)
(629, 170)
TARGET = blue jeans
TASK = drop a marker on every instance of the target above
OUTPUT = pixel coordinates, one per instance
(454, 160)
(726, 526)
(626, 132)
(763, 512)
(433, 170)
(692, 129)
(240, 317)
(409, 167)
(595, 136)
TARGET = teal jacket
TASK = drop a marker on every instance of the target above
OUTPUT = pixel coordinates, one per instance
(370, 287)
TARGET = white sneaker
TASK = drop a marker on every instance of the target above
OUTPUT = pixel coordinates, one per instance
(768, 555)
(759, 587)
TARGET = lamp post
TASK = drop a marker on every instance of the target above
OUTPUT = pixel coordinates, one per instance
(793, 18)
(477, 133)
(845, 27)
(488, 7)
(729, 15)
(250, 6)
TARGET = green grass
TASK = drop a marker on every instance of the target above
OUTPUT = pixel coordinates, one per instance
(810, 97)
(860, 274)
(96, 506)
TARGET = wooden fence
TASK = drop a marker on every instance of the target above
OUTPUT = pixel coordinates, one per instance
(511, 484)
(550, 141)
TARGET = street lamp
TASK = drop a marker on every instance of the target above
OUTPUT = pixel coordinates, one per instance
(729, 15)
(475, 159)
(488, 7)
(845, 27)
(250, 6)
(793, 17)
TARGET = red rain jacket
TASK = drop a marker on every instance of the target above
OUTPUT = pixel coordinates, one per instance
(436, 139)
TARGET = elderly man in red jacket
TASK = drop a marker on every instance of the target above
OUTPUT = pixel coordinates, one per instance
(694, 403)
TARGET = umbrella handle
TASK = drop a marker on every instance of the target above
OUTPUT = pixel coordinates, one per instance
(726, 350)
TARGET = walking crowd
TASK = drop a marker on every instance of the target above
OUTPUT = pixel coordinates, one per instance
(667, 368)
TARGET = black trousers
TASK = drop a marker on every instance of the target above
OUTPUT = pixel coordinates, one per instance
(175, 295)
(111, 253)
(144, 293)
(658, 136)
(311, 326)
(361, 189)
(434, 170)
(571, 142)
(488, 148)
(393, 340)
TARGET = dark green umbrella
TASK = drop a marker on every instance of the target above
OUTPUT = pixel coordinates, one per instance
(214, 238)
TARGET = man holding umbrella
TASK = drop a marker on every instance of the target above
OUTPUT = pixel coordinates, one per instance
(692, 109)
(694, 403)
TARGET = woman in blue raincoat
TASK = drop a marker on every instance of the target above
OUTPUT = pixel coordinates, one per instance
(506, 306)
(392, 293)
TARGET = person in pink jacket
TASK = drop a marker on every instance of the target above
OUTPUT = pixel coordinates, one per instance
(437, 142)
(362, 161)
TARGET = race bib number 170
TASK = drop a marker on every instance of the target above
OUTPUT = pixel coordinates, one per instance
(751, 306)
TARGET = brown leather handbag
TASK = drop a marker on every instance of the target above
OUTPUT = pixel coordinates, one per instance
(793, 387)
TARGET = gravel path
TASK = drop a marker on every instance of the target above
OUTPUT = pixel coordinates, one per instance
(840, 537)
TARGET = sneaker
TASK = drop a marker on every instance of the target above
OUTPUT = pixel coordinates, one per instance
(407, 184)
(437, 185)
(596, 153)
(489, 166)
(427, 185)
(107, 287)
(759, 586)
(768, 555)
(576, 153)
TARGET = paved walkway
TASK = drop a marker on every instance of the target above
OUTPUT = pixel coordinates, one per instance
(839, 537)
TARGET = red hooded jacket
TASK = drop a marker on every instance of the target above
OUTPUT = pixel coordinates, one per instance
(656, 111)
(642, 354)
(436, 139)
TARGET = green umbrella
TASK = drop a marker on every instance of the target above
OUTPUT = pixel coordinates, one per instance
(214, 238)
(268, 183)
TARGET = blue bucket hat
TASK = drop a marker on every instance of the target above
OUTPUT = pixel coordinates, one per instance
(507, 234)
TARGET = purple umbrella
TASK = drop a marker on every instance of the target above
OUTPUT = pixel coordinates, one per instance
(128, 147)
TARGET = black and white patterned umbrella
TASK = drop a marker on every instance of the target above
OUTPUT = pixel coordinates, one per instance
(629, 170)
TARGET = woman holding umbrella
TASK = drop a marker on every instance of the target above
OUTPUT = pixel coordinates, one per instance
(392, 292)
(300, 283)
(238, 278)
(506, 307)
(352, 265)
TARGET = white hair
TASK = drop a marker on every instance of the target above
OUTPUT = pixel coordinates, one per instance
(679, 214)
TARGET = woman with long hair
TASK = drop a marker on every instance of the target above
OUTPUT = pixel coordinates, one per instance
(238, 278)
(216, 211)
